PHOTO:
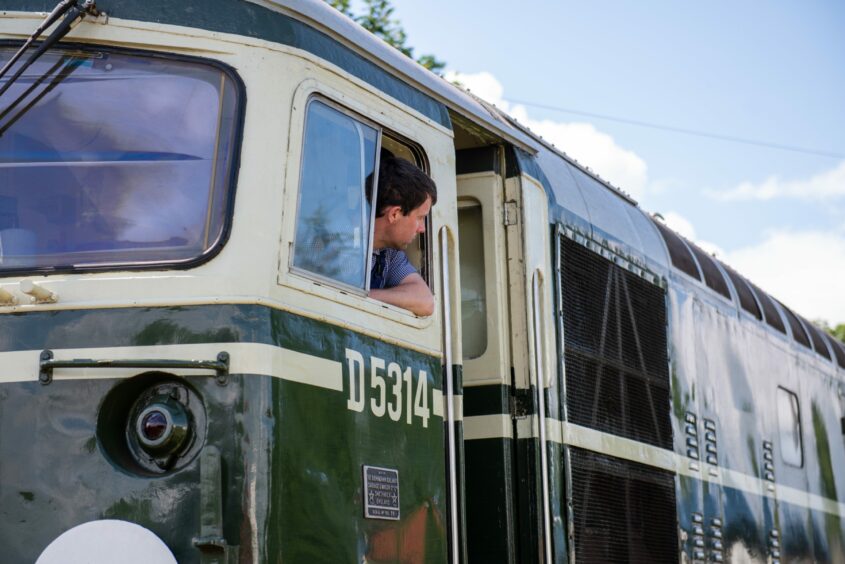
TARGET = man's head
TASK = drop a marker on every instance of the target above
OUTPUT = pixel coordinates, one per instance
(405, 196)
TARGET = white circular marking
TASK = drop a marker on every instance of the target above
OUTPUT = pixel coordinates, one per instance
(106, 542)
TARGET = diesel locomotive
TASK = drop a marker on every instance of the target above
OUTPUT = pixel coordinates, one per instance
(192, 370)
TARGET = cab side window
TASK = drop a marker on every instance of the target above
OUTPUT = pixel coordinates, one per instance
(334, 216)
(340, 156)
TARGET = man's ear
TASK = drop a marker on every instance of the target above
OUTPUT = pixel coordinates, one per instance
(393, 213)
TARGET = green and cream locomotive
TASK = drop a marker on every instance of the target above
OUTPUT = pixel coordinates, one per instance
(192, 369)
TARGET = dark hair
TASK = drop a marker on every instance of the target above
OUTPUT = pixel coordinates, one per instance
(401, 183)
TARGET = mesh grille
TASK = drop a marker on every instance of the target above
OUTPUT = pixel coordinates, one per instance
(623, 511)
(617, 376)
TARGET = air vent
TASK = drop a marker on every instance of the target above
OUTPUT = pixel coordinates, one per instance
(678, 252)
(623, 511)
(614, 328)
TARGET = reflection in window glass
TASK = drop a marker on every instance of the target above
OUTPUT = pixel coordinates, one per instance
(473, 289)
(109, 158)
(333, 221)
(789, 421)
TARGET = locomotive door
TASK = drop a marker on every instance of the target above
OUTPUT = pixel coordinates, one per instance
(505, 256)
(488, 427)
(537, 427)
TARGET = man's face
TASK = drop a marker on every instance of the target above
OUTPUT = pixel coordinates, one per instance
(402, 228)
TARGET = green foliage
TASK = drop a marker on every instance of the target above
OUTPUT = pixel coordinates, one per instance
(837, 332)
(378, 19)
(342, 6)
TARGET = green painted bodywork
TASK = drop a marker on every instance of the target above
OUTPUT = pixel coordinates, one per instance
(291, 454)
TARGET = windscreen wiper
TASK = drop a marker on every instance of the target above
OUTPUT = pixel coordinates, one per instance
(65, 66)
(72, 11)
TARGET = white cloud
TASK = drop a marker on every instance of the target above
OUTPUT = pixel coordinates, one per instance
(582, 141)
(804, 270)
(823, 186)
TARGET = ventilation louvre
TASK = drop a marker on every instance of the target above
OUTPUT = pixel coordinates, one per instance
(617, 376)
(623, 511)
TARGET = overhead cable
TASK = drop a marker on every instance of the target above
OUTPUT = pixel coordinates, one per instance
(673, 129)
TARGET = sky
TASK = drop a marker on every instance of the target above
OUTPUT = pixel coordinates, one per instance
(772, 73)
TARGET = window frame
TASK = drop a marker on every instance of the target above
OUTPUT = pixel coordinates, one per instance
(229, 187)
(471, 202)
(379, 133)
(393, 121)
(792, 396)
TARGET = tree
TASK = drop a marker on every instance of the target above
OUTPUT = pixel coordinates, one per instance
(378, 20)
(837, 332)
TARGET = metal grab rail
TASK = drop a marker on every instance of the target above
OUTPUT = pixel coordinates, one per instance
(47, 364)
(450, 394)
(541, 415)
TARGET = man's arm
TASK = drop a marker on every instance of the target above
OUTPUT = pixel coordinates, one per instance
(411, 294)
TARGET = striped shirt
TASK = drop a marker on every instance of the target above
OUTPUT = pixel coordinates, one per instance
(396, 267)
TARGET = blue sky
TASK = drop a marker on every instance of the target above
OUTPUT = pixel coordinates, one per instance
(772, 72)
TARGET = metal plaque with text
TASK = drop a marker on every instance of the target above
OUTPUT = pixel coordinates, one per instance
(381, 491)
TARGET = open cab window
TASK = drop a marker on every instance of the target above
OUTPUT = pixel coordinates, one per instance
(115, 159)
(339, 173)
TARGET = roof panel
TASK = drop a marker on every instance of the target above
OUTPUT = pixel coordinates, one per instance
(838, 349)
(770, 312)
(799, 334)
(743, 290)
(819, 344)
(678, 252)
(712, 275)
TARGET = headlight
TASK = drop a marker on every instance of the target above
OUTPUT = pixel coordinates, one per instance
(162, 427)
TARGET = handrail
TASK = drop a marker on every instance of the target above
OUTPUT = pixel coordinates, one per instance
(450, 393)
(541, 415)
(47, 364)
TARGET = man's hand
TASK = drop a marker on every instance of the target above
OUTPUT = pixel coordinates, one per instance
(411, 294)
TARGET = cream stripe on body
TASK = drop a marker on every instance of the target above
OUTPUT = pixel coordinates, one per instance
(245, 358)
(501, 426)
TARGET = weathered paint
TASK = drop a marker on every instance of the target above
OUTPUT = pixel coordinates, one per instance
(292, 453)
